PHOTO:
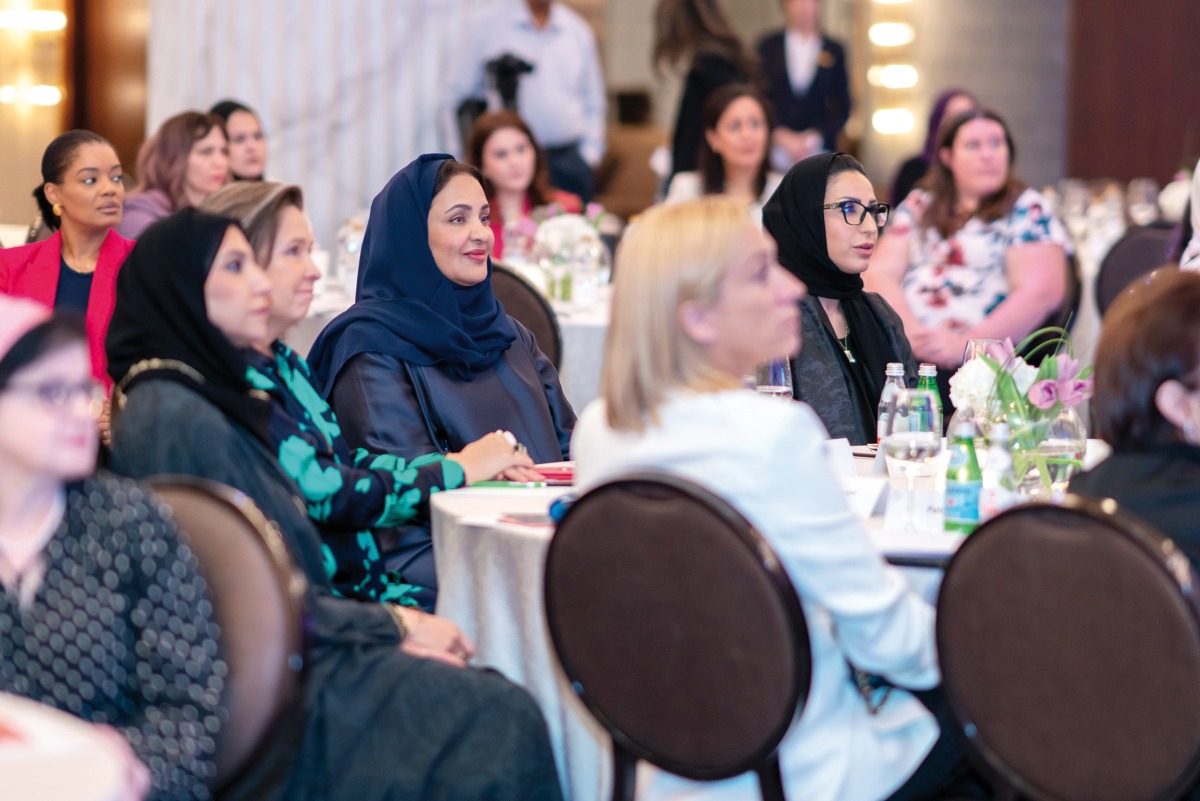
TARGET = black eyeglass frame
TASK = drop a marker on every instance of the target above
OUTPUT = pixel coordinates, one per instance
(875, 210)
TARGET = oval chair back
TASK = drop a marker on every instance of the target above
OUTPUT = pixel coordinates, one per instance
(530, 308)
(257, 596)
(1069, 641)
(678, 627)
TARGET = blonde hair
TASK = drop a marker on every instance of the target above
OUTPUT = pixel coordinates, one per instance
(671, 255)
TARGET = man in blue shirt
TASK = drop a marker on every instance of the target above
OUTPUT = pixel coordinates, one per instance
(562, 99)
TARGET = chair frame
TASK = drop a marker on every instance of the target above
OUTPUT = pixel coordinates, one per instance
(290, 580)
(627, 752)
(509, 272)
(1173, 565)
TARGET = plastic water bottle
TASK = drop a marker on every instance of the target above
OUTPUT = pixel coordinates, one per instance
(964, 481)
(927, 379)
(999, 480)
(893, 383)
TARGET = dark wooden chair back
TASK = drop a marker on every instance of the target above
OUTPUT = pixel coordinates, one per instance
(1069, 640)
(257, 596)
(530, 308)
(1138, 252)
(678, 627)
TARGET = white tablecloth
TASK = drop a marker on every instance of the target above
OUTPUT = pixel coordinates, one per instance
(54, 756)
(490, 584)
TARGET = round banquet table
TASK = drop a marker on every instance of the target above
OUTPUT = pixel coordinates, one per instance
(48, 755)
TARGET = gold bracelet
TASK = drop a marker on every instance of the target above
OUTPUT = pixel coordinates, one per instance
(398, 619)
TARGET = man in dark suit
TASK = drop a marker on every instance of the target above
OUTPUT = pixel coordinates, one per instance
(807, 85)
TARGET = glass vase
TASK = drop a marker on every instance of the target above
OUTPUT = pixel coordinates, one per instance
(1047, 451)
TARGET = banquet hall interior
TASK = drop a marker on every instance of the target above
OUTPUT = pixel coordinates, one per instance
(451, 488)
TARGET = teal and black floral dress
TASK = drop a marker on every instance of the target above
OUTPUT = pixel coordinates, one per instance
(351, 496)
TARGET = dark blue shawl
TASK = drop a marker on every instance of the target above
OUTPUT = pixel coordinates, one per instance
(404, 307)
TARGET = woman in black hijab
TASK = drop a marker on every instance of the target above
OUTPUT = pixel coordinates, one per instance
(427, 359)
(825, 220)
(382, 714)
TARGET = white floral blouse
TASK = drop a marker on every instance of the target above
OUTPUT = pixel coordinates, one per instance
(956, 282)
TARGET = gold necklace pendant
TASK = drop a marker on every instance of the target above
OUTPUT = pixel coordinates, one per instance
(845, 343)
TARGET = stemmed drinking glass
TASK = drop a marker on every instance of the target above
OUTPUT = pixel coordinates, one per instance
(978, 347)
(773, 378)
(914, 441)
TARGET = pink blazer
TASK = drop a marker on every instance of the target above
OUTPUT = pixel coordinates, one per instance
(31, 271)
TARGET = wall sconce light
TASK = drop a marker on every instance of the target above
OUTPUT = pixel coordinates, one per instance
(891, 34)
(32, 20)
(40, 95)
(892, 120)
(893, 76)
(43, 95)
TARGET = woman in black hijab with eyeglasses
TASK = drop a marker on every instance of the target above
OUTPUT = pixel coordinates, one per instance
(826, 220)
(383, 713)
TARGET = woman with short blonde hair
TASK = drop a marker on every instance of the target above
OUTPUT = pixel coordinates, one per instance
(648, 353)
(699, 299)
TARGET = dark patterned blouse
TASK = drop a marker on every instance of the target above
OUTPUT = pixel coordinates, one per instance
(120, 631)
(348, 494)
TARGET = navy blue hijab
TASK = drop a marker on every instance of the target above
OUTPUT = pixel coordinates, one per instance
(404, 307)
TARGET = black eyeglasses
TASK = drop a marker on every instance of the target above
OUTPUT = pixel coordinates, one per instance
(852, 207)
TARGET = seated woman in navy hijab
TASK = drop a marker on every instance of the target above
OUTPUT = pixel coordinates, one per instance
(427, 359)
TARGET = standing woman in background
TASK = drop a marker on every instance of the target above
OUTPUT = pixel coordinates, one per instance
(806, 83)
(247, 142)
(185, 161)
(81, 198)
(699, 30)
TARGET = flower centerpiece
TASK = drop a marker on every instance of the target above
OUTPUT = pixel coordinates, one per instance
(1038, 404)
(571, 251)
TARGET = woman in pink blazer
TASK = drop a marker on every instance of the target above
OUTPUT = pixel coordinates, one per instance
(82, 199)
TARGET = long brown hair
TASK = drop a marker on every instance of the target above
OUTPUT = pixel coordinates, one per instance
(712, 166)
(162, 160)
(942, 213)
(686, 27)
(539, 190)
(1151, 335)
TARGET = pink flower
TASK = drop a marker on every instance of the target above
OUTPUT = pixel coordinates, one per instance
(1074, 391)
(1002, 353)
(1068, 367)
(1044, 393)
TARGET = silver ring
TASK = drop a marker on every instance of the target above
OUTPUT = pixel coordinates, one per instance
(519, 448)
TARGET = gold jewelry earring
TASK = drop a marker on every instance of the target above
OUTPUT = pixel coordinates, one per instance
(57, 209)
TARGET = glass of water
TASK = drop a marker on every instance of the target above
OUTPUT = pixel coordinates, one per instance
(774, 378)
(915, 442)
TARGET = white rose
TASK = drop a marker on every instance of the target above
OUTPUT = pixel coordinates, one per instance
(971, 385)
(1023, 375)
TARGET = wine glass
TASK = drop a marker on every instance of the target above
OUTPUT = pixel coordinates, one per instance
(1141, 201)
(774, 378)
(978, 347)
(915, 440)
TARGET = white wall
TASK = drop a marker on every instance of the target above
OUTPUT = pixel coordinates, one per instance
(348, 90)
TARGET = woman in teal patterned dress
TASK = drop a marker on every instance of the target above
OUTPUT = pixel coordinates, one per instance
(371, 508)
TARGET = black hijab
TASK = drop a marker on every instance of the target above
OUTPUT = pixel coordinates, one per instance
(160, 314)
(404, 306)
(793, 215)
